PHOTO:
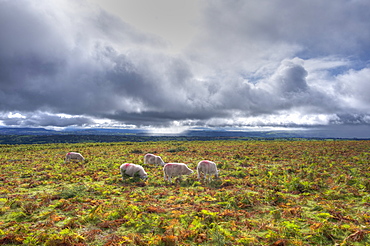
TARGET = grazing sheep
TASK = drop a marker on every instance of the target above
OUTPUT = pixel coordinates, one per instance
(175, 169)
(207, 168)
(131, 169)
(153, 159)
(73, 156)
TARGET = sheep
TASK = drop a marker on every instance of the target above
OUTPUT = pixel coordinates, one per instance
(73, 156)
(207, 168)
(171, 170)
(131, 169)
(153, 159)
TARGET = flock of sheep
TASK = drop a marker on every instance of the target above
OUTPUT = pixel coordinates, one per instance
(170, 170)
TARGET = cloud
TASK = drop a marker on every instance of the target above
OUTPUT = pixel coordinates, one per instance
(290, 78)
(354, 87)
(275, 63)
(253, 31)
(43, 119)
(173, 20)
(72, 69)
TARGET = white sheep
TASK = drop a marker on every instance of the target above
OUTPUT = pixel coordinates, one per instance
(171, 170)
(207, 168)
(153, 159)
(131, 169)
(73, 156)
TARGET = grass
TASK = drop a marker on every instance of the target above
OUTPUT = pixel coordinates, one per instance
(269, 193)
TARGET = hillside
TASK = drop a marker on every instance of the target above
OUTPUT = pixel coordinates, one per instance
(269, 193)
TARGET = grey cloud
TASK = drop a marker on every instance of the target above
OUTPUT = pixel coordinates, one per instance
(106, 82)
(166, 118)
(319, 27)
(353, 119)
(86, 75)
(245, 36)
(291, 78)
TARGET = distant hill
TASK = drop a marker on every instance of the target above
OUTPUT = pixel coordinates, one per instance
(41, 135)
(139, 132)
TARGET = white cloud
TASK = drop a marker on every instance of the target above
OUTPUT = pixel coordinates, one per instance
(354, 87)
(43, 119)
(283, 119)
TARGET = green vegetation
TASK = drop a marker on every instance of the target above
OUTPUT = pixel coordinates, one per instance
(269, 193)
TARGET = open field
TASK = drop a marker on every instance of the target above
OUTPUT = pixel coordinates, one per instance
(269, 193)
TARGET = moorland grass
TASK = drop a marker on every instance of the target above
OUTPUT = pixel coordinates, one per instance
(269, 193)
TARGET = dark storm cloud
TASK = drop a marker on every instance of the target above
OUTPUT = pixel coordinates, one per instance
(92, 75)
(73, 71)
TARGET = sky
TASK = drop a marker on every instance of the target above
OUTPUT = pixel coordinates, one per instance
(171, 64)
